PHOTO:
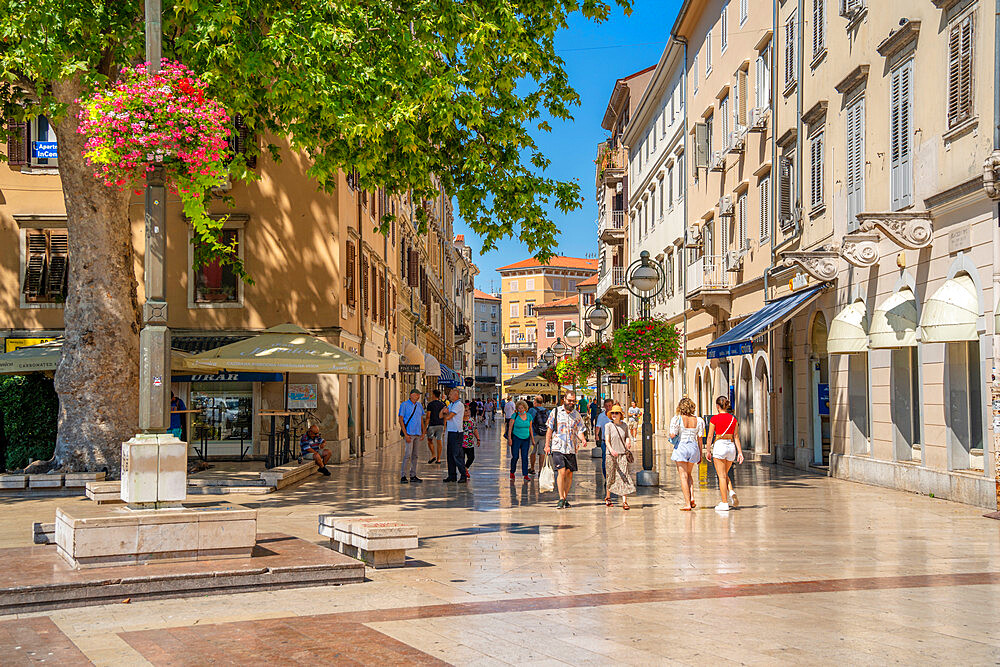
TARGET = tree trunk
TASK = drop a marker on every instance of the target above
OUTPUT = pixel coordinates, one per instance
(98, 377)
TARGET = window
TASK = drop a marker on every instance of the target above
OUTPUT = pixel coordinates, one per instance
(743, 11)
(816, 170)
(670, 187)
(652, 209)
(740, 104)
(741, 219)
(493, 347)
(680, 179)
(352, 268)
(570, 285)
(514, 310)
(32, 142)
(494, 328)
(529, 308)
(694, 73)
(708, 54)
(819, 27)
(855, 162)
(46, 265)
(900, 124)
(790, 55)
(762, 89)
(513, 363)
(482, 327)
(786, 190)
(724, 28)
(724, 113)
(566, 325)
(669, 270)
(557, 284)
(764, 188)
(960, 72)
(550, 329)
(661, 199)
(529, 284)
(216, 283)
(515, 335)
(904, 405)
(529, 362)
(513, 286)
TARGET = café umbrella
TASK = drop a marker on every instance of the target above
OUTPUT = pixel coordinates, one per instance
(44, 357)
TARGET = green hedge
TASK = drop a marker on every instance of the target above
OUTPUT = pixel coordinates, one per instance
(30, 417)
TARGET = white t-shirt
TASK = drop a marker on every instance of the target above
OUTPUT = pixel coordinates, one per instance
(508, 409)
(455, 423)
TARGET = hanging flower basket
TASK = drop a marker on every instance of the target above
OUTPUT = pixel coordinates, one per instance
(596, 355)
(164, 119)
(550, 375)
(568, 370)
(646, 340)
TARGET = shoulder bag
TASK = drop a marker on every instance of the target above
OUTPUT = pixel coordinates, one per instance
(629, 456)
(402, 431)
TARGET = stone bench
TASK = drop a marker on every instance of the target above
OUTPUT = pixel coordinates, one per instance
(104, 493)
(378, 543)
(107, 493)
(43, 533)
(69, 483)
(285, 475)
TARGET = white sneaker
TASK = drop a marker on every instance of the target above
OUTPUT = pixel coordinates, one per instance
(722, 507)
(733, 500)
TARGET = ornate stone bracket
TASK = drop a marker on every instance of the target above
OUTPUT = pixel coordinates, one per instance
(911, 230)
(860, 249)
(820, 264)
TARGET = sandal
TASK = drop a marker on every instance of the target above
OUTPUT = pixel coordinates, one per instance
(625, 506)
(607, 501)
(693, 504)
(684, 509)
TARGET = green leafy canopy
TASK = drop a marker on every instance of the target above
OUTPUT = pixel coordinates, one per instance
(413, 94)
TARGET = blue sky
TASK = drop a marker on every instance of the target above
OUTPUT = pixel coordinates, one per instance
(595, 55)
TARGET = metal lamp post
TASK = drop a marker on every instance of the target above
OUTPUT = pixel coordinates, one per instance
(645, 280)
(574, 338)
(599, 319)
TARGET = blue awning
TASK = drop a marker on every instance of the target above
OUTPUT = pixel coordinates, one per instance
(449, 378)
(739, 339)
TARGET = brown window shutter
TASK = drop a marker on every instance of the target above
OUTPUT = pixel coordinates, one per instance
(392, 305)
(352, 269)
(413, 271)
(58, 265)
(36, 246)
(375, 297)
(364, 284)
(18, 149)
(245, 138)
(381, 299)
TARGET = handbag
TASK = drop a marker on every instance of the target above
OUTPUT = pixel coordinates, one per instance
(547, 478)
(676, 439)
(402, 431)
(629, 456)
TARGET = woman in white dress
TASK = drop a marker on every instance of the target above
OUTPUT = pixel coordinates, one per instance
(619, 447)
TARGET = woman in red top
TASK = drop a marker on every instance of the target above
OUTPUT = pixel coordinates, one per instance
(725, 448)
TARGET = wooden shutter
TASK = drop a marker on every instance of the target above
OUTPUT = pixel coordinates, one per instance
(58, 265)
(816, 169)
(364, 284)
(700, 145)
(742, 213)
(241, 138)
(960, 71)
(819, 26)
(18, 149)
(382, 297)
(790, 51)
(392, 308)
(373, 286)
(741, 102)
(765, 206)
(352, 268)
(900, 128)
(785, 192)
(36, 250)
(413, 268)
(855, 162)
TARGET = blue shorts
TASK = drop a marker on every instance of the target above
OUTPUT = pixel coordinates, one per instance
(686, 452)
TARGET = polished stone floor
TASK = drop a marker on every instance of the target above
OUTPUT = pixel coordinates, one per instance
(809, 570)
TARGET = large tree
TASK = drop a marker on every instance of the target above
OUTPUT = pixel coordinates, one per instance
(403, 91)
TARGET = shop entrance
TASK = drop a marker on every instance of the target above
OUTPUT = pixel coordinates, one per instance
(820, 391)
(224, 425)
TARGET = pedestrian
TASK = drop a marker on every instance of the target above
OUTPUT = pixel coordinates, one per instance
(521, 439)
(435, 426)
(412, 426)
(470, 440)
(724, 449)
(454, 416)
(634, 417)
(689, 432)
(176, 417)
(508, 412)
(603, 419)
(619, 445)
(564, 423)
(473, 409)
(539, 418)
(596, 408)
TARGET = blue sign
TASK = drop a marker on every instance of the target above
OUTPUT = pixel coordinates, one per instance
(44, 149)
(823, 390)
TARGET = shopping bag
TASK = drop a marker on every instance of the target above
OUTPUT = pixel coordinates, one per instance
(547, 478)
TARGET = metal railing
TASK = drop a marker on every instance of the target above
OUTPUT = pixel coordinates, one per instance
(615, 277)
(613, 222)
(519, 346)
(707, 272)
(611, 162)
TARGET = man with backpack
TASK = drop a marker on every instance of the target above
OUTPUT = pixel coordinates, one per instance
(539, 416)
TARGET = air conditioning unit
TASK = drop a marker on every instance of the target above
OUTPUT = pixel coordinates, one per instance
(758, 119)
(726, 206)
(734, 260)
(718, 160)
(737, 139)
(693, 237)
(850, 9)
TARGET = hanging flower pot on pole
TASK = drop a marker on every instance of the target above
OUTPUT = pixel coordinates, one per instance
(649, 340)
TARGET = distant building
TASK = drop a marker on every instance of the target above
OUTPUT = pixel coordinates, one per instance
(486, 333)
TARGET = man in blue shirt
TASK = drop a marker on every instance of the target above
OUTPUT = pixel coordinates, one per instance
(412, 424)
(312, 446)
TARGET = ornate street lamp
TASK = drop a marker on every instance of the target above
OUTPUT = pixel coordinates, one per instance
(644, 279)
(573, 336)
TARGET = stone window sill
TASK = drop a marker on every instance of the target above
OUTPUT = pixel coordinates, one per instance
(960, 129)
(818, 58)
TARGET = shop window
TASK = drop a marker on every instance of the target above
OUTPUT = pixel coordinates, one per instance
(905, 405)
(225, 421)
(857, 398)
(964, 411)
(46, 265)
(215, 283)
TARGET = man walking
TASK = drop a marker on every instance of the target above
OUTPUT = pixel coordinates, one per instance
(508, 414)
(539, 419)
(435, 426)
(412, 422)
(454, 414)
(602, 420)
(564, 423)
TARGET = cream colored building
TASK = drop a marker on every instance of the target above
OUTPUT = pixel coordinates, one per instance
(525, 285)
(488, 357)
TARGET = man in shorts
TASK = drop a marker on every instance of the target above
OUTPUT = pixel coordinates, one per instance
(564, 423)
(435, 426)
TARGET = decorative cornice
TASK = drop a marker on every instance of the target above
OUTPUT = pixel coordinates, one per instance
(788, 137)
(820, 264)
(905, 34)
(857, 76)
(907, 229)
(861, 250)
(815, 112)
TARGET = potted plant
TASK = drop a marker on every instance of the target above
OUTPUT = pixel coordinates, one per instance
(651, 340)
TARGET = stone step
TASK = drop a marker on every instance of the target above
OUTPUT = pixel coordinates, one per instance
(225, 482)
(226, 490)
(44, 533)
(286, 475)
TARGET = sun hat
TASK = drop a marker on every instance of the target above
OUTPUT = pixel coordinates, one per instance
(617, 408)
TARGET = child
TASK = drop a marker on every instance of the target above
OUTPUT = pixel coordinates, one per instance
(470, 441)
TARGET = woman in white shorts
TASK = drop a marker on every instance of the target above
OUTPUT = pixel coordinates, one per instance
(686, 432)
(725, 449)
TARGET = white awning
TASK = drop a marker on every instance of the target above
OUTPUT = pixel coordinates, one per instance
(894, 322)
(413, 355)
(951, 312)
(431, 365)
(849, 330)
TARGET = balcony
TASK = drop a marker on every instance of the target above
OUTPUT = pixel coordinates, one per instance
(611, 227)
(462, 334)
(709, 283)
(486, 379)
(480, 357)
(612, 161)
(612, 281)
(519, 346)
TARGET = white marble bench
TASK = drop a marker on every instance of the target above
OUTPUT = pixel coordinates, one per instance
(378, 543)
(285, 475)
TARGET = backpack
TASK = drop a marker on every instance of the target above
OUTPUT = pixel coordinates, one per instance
(538, 421)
